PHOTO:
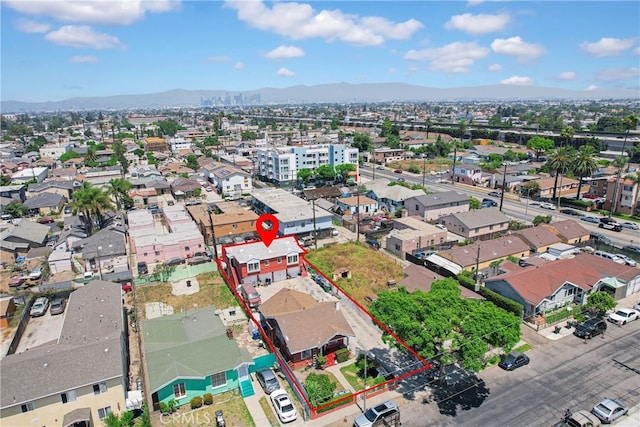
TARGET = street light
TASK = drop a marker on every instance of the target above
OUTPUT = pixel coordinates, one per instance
(526, 209)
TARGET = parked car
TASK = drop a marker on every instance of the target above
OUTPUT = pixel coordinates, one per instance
(487, 203)
(591, 219)
(381, 168)
(57, 306)
(36, 273)
(580, 418)
(374, 243)
(46, 220)
(609, 256)
(386, 413)
(628, 261)
(630, 225)
(569, 211)
(549, 206)
(283, 406)
(142, 268)
(624, 315)
(637, 307)
(250, 295)
(268, 381)
(609, 224)
(591, 328)
(514, 360)
(18, 280)
(601, 238)
(632, 248)
(495, 194)
(39, 308)
(609, 410)
(68, 209)
(401, 179)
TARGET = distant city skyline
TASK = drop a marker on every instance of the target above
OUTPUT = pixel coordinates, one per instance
(54, 50)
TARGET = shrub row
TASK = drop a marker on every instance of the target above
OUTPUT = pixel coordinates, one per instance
(342, 355)
(197, 401)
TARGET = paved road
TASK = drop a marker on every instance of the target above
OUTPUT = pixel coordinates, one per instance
(562, 374)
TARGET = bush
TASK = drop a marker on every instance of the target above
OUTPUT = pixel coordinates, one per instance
(539, 219)
(414, 169)
(342, 355)
(208, 398)
(196, 402)
(164, 408)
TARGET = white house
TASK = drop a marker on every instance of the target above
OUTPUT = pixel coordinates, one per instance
(28, 174)
(55, 150)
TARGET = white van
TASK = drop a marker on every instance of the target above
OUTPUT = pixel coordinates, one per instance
(609, 256)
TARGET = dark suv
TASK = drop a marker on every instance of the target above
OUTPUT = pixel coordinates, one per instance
(609, 224)
(591, 328)
(142, 268)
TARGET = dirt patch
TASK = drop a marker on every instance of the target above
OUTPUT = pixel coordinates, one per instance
(370, 270)
(435, 165)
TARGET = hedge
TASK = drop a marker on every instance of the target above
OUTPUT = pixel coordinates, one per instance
(465, 279)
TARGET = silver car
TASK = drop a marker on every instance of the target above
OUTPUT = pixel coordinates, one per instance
(268, 381)
(609, 410)
(40, 307)
(629, 261)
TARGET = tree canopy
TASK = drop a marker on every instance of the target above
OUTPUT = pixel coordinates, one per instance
(600, 302)
(540, 145)
(326, 172)
(442, 325)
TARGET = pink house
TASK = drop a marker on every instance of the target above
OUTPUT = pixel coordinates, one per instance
(254, 261)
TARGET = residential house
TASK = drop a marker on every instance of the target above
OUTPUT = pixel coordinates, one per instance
(54, 150)
(229, 181)
(182, 188)
(229, 221)
(480, 255)
(29, 174)
(104, 251)
(15, 192)
(189, 354)
(477, 224)
(73, 163)
(55, 384)
(60, 260)
(143, 197)
(61, 188)
(564, 281)
(382, 156)
(295, 215)
(416, 277)
(390, 197)
(569, 231)
(100, 177)
(255, 262)
(539, 238)
(179, 143)
(354, 205)
(45, 204)
(302, 327)
(626, 195)
(412, 234)
(467, 174)
(7, 310)
(431, 207)
(175, 168)
(17, 239)
(566, 187)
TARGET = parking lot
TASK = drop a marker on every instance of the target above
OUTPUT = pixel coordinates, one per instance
(41, 330)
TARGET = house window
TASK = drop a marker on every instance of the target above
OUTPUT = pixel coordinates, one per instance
(145, 254)
(306, 354)
(218, 380)
(157, 253)
(69, 396)
(292, 259)
(491, 227)
(279, 260)
(104, 412)
(100, 388)
(253, 267)
(266, 262)
(234, 226)
(26, 407)
(179, 390)
(186, 248)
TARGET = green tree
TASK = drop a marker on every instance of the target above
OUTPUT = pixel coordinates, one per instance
(326, 173)
(119, 188)
(583, 165)
(5, 180)
(319, 388)
(169, 127)
(192, 162)
(305, 175)
(15, 209)
(567, 132)
(68, 155)
(123, 420)
(386, 128)
(539, 145)
(441, 324)
(163, 271)
(342, 171)
(145, 418)
(362, 142)
(559, 162)
(474, 203)
(248, 135)
(119, 151)
(542, 219)
(530, 189)
(90, 201)
(413, 169)
(600, 302)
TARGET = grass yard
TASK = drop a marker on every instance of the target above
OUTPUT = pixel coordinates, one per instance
(370, 270)
(268, 411)
(436, 165)
(234, 410)
(213, 291)
(524, 348)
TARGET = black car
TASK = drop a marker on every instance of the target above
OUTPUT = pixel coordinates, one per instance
(591, 328)
(569, 211)
(514, 360)
(142, 268)
(374, 243)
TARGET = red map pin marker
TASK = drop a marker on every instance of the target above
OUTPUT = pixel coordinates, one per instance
(267, 228)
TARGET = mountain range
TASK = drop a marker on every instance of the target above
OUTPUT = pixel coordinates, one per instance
(324, 93)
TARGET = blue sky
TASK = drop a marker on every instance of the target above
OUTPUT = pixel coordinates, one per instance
(53, 49)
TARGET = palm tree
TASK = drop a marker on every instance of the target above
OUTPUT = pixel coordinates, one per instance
(636, 181)
(630, 122)
(568, 133)
(558, 162)
(455, 144)
(584, 164)
(90, 201)
(427, 123)
(119, 188)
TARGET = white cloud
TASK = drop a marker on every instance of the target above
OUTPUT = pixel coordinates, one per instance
(607, 46)
(514, 46)
(392, 70)
(453, 58)
(82, 36)
(494, 67)
(285, 52)
(29, 26)
(239, 66)
(113, 12)
(592, 87)
(219, 58)
(567, 75)
(616, 74)
(478, 24)
(636, 51)
(83, 59)
(285, 72)
(300, 21)
(517, 81)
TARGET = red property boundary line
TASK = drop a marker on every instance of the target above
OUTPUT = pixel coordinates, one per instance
(336, 403)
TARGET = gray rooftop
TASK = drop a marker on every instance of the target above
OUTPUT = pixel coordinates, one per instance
(107, 241)
(287, 207)
(396, 193)
(29, 231)
(443, 198)
(44, 200)
(481, 217)
(88, 350)
(259, 251)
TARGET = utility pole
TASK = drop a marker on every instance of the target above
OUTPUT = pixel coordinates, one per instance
(358, 214)
(455, 157)
(315, 232)
(213, 236)
(424, 168)
(504, 182)
(477, 282)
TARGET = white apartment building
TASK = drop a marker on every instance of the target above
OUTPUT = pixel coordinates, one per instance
(178, 143)
(281, 164)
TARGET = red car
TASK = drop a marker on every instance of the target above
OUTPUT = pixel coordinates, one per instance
(398, 171)
(589, 196)
(46, 220)
(18, 280)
